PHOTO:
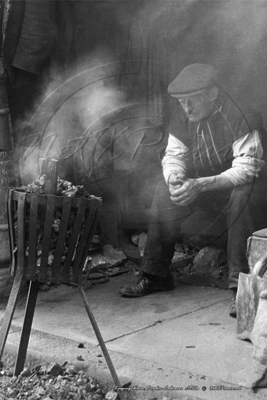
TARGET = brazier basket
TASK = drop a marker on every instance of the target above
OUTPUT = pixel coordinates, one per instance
(50, 235)
(49, 238)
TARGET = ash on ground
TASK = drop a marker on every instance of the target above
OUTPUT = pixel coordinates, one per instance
(55, 382)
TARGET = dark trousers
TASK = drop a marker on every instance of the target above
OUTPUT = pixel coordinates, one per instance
(243, 208)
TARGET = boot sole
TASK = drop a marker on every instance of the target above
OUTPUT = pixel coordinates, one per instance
(145, 294)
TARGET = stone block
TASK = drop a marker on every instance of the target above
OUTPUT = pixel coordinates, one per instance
(208, 261)
(107, 257)
(181, 260)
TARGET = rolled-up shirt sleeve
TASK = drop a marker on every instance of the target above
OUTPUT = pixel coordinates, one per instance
(175, 159)
(247, 162)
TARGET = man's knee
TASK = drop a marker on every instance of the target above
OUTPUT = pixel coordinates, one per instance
(241, 196)
(249, 202)
(251, 195)
(162, 193)
(162, 187)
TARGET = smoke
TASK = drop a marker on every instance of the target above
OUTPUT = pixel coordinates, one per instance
(98, 101)
(65, 109)
(88, 104)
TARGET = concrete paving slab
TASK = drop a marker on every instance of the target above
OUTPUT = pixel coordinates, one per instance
(183, 338)
(203, 342)
(60, 311)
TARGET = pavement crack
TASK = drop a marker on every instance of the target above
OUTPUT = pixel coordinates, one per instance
(163, 320)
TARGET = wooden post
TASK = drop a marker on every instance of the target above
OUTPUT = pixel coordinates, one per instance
(43, 166)
(50, 185)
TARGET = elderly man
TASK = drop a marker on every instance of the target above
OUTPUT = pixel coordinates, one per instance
(212, 163)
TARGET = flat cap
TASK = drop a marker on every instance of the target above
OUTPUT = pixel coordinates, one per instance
(193, 79)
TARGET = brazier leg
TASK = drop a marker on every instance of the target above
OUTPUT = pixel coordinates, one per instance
(11, 305)
(101, 342)
(27, 325)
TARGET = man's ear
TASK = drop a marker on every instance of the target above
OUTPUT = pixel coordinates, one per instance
(214, 91)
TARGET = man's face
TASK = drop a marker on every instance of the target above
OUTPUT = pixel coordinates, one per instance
(196, 106)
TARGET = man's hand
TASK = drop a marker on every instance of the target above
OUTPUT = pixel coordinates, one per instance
(183, 192)
(176, 180)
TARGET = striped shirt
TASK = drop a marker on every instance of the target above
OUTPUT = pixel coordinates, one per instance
(226, 142)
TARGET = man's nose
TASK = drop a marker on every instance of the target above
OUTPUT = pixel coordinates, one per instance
(188, 106)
